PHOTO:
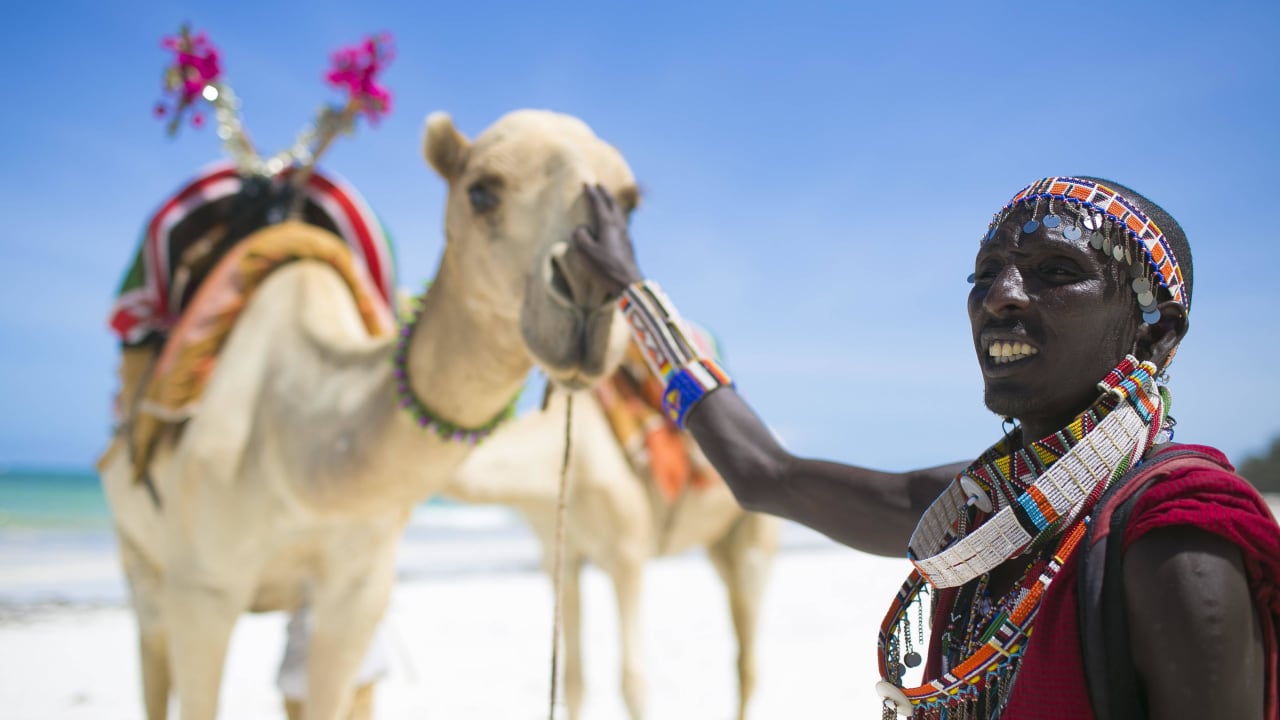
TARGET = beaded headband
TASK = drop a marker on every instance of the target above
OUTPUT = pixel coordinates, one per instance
(1116, 227)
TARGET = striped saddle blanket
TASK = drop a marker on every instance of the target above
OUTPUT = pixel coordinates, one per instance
(184, 240)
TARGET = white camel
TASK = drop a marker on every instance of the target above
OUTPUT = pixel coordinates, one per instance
(293, 481)
(618, 519)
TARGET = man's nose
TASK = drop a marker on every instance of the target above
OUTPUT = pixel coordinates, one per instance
(1008, 293)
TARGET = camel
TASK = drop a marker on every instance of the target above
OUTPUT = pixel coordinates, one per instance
(294, 479)
(618, 519)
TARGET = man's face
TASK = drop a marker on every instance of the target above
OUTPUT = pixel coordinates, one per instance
(1059, 316)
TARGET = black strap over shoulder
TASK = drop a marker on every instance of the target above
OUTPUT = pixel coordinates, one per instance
(1114, 689)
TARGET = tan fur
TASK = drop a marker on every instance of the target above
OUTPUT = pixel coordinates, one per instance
(618, 521)
(294, 480)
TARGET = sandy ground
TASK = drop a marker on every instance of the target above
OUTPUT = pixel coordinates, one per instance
(478, 646)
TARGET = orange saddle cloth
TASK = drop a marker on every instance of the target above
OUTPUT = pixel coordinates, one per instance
(657, 448)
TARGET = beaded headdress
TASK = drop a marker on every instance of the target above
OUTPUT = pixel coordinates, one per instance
(1115, 226)
(195, 77)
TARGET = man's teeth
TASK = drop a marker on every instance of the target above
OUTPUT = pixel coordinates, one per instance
(1005, 352)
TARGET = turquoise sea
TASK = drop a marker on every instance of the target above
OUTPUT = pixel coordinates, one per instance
(57, 543)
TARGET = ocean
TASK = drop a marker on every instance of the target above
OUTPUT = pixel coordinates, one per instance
(57, 545)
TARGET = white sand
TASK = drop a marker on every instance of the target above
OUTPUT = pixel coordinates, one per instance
(477, 646)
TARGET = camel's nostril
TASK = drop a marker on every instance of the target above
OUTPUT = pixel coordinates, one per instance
(559, 282)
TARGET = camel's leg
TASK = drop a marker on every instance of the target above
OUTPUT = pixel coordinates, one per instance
(743, 558)
(628, 574)
(200, 618)
(153, 643)
(297, 643)
(346, 617)
(571, 614)
(361, 705)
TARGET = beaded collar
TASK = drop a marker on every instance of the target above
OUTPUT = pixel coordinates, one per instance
(1014, 501)
(425, 417)
(1098, 446)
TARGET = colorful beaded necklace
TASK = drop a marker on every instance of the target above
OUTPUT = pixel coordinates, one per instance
(1033, 495)
(427, 419)
(1036, 498)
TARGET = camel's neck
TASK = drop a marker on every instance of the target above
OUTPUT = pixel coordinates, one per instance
(466, 359)
(465, 363)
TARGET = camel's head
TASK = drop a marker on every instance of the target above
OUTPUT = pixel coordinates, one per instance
(515, 198)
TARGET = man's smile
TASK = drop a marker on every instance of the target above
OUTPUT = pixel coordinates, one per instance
(1002, 348)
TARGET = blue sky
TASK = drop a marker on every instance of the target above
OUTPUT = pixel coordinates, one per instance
(817, 178)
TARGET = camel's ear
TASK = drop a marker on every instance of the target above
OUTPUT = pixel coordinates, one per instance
(444, 147)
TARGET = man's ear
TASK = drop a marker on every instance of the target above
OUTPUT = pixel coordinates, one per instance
(1157, 342)
(444, 147)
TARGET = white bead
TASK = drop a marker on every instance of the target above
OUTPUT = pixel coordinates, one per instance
(892, 693)
(973, 490)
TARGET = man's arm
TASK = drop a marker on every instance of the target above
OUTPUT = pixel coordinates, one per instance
(866, 509)
(870, 510)
(1193, 628)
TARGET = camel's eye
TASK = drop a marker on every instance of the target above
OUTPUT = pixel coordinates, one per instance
(483, 197)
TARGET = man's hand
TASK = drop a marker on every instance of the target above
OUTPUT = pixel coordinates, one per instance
(605, 245)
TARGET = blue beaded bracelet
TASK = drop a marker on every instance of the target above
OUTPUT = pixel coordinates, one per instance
(689, 385)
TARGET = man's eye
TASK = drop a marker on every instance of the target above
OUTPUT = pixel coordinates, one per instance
(984, 276)
(1059, 271)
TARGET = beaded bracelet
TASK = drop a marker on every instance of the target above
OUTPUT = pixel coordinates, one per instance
(689, 385)
(665, 342)
(657, 327)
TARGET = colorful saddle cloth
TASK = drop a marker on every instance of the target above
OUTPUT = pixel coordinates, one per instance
(158, 285)
(655, 446)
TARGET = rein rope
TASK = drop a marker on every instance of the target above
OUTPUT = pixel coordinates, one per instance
(557, 571)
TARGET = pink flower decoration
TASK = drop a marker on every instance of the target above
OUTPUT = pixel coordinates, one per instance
(355, 69)
(196, 65)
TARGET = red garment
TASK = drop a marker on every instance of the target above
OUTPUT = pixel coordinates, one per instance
(1051, 684)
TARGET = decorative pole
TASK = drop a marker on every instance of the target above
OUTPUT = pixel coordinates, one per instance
(355, 69)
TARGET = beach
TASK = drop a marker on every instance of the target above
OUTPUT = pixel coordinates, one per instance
(470, 629)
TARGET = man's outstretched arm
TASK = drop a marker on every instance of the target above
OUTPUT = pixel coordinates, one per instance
(866, 509)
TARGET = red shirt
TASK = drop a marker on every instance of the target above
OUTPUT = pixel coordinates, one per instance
(1051, 684)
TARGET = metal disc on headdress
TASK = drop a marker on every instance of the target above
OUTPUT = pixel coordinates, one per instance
(1071, 232)
(1030, 226)
(1151, 317)
(1052, 221)
(1093, 221)
(1095, 240)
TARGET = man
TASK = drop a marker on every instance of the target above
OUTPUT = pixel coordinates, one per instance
(1077, 281)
